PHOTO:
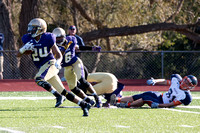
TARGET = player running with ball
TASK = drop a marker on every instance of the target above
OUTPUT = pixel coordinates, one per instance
(43, 48)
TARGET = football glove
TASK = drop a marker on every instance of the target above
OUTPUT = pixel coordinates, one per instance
(151, 81)
(27, 46)
(96, 48)
(154, 105)
(57, 64)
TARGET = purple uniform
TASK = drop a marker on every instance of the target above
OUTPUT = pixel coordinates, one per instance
(41, 53)
(69, 56)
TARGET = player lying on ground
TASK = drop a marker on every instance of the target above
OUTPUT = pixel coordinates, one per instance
(178, 93)
(73, 67)
(105, 84)
(42, 47)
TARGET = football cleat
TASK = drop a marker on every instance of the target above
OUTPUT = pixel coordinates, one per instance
(113, 99)
(59, 101)
(106, 105)
(86, 109)
(92, 102)
(121, 105)
(98, 104)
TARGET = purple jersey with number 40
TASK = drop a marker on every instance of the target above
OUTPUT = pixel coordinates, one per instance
(42, 48)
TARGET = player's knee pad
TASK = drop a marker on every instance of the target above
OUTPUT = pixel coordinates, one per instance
(43, 83)
(81, 87)
(76, 90)
(64, 92)
(83, 83)
(70, 96)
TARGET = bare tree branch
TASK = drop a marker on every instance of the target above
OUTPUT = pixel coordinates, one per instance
(86, 16)
(177, 11)
(124, 31)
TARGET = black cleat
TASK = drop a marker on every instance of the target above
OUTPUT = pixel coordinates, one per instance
(98, 103)
(92, 102)
(86, 109)
(59, 101)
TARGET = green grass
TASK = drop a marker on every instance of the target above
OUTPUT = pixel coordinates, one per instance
(40, 116)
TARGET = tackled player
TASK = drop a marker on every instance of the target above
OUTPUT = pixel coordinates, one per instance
(178, 93)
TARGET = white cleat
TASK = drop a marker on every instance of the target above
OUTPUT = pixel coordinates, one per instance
(113, 99)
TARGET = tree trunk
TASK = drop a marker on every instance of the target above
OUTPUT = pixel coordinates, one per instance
(29, 10)
(6, 25)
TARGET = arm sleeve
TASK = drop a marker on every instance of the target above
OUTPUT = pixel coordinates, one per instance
(79, 40)
(52, 40)
(25, 39)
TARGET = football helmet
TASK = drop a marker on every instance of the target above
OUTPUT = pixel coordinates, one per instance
(60, 35)
(36, 27)
(188, 82)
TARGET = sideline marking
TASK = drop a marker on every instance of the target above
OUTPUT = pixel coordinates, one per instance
(181, 111)
(58, 127)
(27, 98)
(42, 98)
(190, 107)
(120, 126)
(10, 130)
(186, 126)
(195, 97)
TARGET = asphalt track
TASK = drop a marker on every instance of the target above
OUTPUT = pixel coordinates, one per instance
(130, 85)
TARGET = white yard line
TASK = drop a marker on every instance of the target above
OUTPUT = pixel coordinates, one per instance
(181, 111)
(26, 98)
(10, 130)
(195, 97)
(190, 107)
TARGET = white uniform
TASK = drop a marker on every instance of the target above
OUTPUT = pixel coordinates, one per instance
(176, 95)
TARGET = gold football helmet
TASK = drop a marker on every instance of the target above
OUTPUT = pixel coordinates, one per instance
(60, 35)
(36, 27)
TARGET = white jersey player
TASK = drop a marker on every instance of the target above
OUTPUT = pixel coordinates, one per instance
(178, 93)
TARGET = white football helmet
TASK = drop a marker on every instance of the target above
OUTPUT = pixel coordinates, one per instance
(60, 35)
(36, 27)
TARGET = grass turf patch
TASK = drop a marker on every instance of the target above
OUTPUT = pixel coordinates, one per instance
(40, 116)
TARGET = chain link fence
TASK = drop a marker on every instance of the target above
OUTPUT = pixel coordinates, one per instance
(125, 65)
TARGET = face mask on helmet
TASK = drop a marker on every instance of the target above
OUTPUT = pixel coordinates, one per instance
(33, 30)
(60, 35)
(36, 27)
(60, 40)
(188, 82)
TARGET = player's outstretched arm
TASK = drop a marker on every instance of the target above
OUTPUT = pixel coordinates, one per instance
(165, 105)
(153, 81)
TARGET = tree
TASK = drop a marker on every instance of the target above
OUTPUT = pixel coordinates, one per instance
(104, 32)
(6, 25)
(29, 10)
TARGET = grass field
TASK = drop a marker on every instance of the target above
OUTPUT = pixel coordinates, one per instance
(21, 114)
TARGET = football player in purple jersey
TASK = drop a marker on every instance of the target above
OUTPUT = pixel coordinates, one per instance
(42, 46)
(178, 93)
(73, 67)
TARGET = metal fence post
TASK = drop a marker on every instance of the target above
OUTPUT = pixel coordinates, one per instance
(162, 63)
